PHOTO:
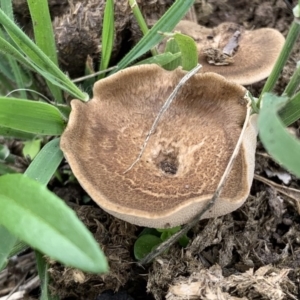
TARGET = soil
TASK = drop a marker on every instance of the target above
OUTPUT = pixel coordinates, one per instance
(252, 253)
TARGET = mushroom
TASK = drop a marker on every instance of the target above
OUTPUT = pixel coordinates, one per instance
(185, 157)
(242, 56)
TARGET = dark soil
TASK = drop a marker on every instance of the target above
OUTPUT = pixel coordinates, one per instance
(252, 253)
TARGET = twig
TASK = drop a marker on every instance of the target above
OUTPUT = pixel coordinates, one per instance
(165, 245)
(166, 105)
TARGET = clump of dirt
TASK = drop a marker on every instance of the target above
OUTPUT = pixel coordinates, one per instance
(115, 238)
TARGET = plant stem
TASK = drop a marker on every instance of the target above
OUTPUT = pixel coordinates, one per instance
(293, 83)
(281, 61)
(141, 21)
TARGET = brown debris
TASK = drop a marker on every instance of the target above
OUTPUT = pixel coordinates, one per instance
(116, 239)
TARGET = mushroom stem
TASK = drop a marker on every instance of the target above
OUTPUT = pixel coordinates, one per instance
(163, 110)
(174, 238)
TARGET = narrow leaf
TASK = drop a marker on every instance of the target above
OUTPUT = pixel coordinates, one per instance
(107, 36)
(165, 24)
(39, 60)
(46, 162)
(281, 145)
(7, 242)
(161, 59)
(31, 116)
(41, 219)
(44, 36)
(290, 113)
(18, 134)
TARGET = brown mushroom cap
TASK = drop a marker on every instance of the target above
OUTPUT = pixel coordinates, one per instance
(185, 157)
(255, 56)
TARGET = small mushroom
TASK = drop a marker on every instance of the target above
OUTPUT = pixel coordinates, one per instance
(185, 157)
(242, 56)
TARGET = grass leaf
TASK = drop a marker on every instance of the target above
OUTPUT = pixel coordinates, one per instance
(281, 145)
(45, 222)
(7, 242)
(165, 24)
(290, 113)
(107, 36)
(46, 162)
(39, 60)
(31, 116)
(44, 36)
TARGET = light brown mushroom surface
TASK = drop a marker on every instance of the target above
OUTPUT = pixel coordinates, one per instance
(242, 56)
(184, 158)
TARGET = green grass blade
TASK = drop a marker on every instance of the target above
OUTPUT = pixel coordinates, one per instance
(161, 59)
(290, 113)
(42, 267)
(7, 242)
(38, 217)
(18, 134)
(8, 49)
(280, 144)
(46, 162)
(107, 36)
(282, 59)
(294, 82)
(165, 24)
(31, 116)
(4, 169)
(6, 5)
(44, 36)
(38, 57)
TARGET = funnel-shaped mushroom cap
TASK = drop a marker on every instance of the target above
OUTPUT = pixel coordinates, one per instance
(239, 55)
(184, 158)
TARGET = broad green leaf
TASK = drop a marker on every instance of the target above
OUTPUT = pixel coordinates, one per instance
(280, 144)
(161, 59)
(44, 36)
(144, 245)
(38, 217)
(290, 113)
(7, 242)
(165, 24)
(172, 46)
(32, 148)
(41, 169)
(107, 36)
(31, 116)
(46, 162)
(188, 49)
